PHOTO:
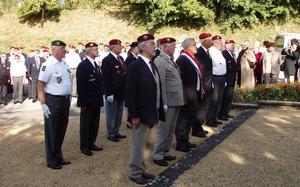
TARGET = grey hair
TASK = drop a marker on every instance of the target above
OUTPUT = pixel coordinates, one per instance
(186, 42)
(87, 50)
(245, 42)
(111, 47)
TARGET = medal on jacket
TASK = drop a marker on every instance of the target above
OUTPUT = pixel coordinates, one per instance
(58, 79)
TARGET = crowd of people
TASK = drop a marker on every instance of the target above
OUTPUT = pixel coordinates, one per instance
(178, 90)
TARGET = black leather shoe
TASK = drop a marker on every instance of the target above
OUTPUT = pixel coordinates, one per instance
(64, 162)
(34, 100)
(199, 135)
(113, 139)
(139, 180)
(229, 116)
(223, 118)
(15, 102)
(120, 136)
(148, 175)
(184, 149)
(191, 145)
(54, 166)
(218, 122)
(96, 148)
(87, 152)
(205, 132)
(161, 162)
(211, 124)
(169, 158)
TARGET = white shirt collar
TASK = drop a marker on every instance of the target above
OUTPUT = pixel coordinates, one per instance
(91, 60)
(56, 60)
(204, 48)
(116, 56)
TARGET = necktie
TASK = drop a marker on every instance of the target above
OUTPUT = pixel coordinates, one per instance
(153, 67)
(120, 62)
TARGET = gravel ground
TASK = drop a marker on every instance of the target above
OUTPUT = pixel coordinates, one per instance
(264, 151)
(22, 153)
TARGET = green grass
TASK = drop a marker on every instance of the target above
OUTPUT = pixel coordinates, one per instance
(100, 25)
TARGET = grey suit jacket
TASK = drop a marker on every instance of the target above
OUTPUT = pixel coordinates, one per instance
(172, 89)
(276, 62)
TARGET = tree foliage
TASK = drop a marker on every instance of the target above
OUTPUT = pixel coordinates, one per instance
(39, 11)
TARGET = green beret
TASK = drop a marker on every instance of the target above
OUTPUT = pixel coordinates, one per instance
(58, 43)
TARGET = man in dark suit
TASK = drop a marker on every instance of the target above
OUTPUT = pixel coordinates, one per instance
(89, 89)
(230, 78)
(132, 54)
(33, 65)
(205, 61)
(144, 101)
(191, 76)
(114, 77)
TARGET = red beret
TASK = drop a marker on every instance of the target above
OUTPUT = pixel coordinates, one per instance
(167, 40)
(229, 42)
(114, 42)
(45, 51)
(72, 46)
(216, 37)
(204, 35)
(31, 50)
(145, 37)
(91, 44)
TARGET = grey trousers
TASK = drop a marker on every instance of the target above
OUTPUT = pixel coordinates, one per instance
(73, 81)
(139, 140)
(216, 99)
(3, 92)
(18, 88)
(56, 126)
(114, 112)
(165, 132)
(29, 88)
(270, 78)
(33, 89)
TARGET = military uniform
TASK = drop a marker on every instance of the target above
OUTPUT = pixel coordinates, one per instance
(56, 75)
(90, 99)
(172, 94)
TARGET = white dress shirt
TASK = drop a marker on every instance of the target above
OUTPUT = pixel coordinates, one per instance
(72, 59)
(219, 62)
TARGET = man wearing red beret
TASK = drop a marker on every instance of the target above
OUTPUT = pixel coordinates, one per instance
(114, 77)
(205, 61)
(90, 99)
(172, 94)
(144, 103)
(218, 80)
(232, 69)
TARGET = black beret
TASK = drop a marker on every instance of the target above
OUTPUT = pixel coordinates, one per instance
(58, 43)
(134, 44)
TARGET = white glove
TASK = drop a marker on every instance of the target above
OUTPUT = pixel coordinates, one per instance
(225, 84)
(212, 85)
(45, 110)
(110, 99)
(165, 107)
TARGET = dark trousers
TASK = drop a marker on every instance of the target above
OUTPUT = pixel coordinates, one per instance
(227, 100)
(258, 77)
(201, 114)
(18, 88)
(56, 126)
(29, 88)
(186, 119)
(216, 98)
(89, 126)
(33, 89)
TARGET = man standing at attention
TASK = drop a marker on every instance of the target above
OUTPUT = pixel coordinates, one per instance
(90, 99)
(172, 95)
(144, 102)
(54, 90)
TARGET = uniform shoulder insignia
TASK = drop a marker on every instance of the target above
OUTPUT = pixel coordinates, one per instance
(44, 68)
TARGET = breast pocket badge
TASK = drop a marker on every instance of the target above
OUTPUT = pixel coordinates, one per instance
(59, 80)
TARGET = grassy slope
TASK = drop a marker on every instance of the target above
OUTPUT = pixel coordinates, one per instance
(100, 26)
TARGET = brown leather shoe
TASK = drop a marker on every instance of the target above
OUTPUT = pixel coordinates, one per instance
(139, 180)
(148, 175)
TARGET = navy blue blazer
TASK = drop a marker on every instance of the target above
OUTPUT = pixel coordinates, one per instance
(140, 94)
(89, 85)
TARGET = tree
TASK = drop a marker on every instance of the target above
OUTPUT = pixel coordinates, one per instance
(39, 11)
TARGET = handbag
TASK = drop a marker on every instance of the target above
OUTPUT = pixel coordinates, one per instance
(282, 66)
(251, 64)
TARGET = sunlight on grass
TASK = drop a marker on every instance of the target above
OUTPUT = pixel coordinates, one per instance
(270, 156)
